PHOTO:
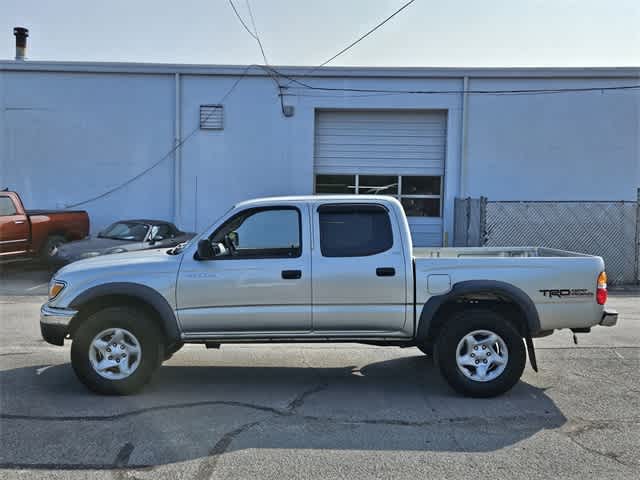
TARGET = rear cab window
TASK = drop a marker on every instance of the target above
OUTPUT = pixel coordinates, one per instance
(354, 230)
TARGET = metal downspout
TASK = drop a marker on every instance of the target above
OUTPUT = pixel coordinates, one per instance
(462, 187)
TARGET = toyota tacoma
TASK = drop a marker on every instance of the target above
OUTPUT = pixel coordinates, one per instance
(321, 269)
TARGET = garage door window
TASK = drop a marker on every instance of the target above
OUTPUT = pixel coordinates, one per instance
(420, 195)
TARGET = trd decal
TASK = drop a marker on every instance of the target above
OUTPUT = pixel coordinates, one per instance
(566, 292)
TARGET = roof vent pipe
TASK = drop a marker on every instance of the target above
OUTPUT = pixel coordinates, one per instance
(21, 34)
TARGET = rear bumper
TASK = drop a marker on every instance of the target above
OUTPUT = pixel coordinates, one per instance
(54, 323)
(609, 318)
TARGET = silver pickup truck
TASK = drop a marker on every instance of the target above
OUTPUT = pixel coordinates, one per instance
(321, 269)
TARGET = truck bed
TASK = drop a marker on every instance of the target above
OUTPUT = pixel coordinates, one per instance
(507, 252)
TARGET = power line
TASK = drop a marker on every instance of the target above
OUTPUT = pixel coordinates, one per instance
(353, 44)
(358, 40)
(242, 21)
(528, 91)
(169, 153)
(254, 34)
(255, 31)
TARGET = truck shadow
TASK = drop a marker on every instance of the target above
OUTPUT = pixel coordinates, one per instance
(50, 421)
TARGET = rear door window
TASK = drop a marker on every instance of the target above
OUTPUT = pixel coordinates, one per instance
(354, 230)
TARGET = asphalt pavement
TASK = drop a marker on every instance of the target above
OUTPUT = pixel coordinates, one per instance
(335, 411)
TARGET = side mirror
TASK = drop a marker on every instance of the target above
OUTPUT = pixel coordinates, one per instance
(205, 250)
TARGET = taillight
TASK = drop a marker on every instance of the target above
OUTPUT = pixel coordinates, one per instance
(601, 290)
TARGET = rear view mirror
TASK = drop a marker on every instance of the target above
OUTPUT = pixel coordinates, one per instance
(205, 250)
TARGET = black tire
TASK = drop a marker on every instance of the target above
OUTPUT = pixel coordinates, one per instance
(48, 249)
(465, 322)
(141, 326)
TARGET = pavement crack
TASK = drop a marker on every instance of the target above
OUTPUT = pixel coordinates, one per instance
(302, 397)
(299, 400)
(429, 423)
(593, 451)
(122, 460)
(208, 466)
(131, 413)
(583, 426)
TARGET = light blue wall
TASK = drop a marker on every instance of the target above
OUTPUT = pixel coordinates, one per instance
(68, 136)
(260, 152)
(568, 146)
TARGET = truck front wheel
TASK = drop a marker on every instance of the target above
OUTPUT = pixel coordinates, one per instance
(480, 353)
(115, 351)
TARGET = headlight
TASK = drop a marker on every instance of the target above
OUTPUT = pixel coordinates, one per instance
(89, 254)
(55, 287)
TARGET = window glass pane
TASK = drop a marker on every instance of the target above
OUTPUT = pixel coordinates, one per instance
(265, 229)
(133, 231)
(413, 185)
(421, 207)
(378, 185)
(354, 231)
(6, 206)
(161, 232)
(335, 184)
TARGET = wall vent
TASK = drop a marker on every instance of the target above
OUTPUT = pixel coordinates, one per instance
(211, 117)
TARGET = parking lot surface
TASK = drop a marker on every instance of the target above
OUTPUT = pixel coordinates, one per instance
(317, 411)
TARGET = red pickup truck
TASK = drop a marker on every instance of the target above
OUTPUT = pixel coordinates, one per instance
(36, 233)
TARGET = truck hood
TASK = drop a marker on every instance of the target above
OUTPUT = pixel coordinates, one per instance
(138, 262)
(155, 269)
(94, 245)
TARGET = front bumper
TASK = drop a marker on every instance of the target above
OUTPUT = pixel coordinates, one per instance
(609, 318)
(54, 323)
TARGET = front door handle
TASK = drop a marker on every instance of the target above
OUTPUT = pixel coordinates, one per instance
(18, 222)
(291, 274)
(385, 271)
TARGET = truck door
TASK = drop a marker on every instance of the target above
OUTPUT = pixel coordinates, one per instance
(358, 270)
(14, 227)
(261, 286)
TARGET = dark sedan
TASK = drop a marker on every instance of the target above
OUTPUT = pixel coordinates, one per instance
(123, 236)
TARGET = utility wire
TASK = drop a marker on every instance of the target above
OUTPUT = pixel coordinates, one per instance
(528, 91)
(169, 153)
(255, 31)
(353, 44)
(358, 40)
(256, 37)
(242, 21)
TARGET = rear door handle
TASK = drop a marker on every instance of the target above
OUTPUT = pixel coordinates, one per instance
(18, 222)
(385, 271)
(291, 274)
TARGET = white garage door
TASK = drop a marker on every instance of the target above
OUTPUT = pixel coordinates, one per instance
(395, 153)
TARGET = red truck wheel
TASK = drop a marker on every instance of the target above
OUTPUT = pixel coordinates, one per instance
(50, 247)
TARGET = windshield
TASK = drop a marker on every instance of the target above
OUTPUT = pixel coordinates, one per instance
(131, 231)
(179, 248)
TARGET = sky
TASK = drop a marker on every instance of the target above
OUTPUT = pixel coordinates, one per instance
(449, 33)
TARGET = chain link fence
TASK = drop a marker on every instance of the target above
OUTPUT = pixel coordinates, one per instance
(606, 229)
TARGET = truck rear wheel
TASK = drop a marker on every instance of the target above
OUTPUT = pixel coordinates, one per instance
(115, 351)
(480, 353)
(50, 247)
